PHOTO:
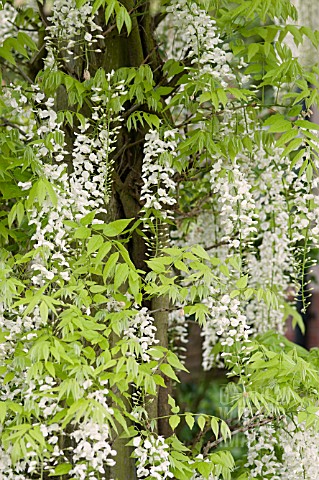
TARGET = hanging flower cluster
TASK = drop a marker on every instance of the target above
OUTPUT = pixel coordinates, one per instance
(284, 453)
(226, 323)
(158, 185)
(237, 205)
(152, 457)
(93, 450)
(7, 17)
(66, 30)
(260, 214)
(193, 34)
(85, 190)
(140, 333)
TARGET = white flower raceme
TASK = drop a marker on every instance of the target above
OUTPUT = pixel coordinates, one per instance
(262, 460)
(300, 447)
(140, 334)
(66, 27)
(157, 173)
(16, 470)
(226, 322)
(14, 323)
(74, 195)
(237, 211)
(152, 457)
(193, 34)
(285, 452)
(93, 450)
(7, 18)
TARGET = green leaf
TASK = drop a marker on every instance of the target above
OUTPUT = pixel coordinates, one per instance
(80, 3)
(116, 228)
(249, 293)
(88, 218)
(121, 274)
(61, 469)
(82, 233)
(110, 264)
(224, 430)
(253, 48)
(50, 368)
(286, 137)
(25, 39)
(9, 191)
(3, 411)
(159, 380)
(44, 312)
(94, 243)
(200, 252)
(50, 190)
(174, 421)
(175, 362)
(12, 215)
(299, 155)
(224, 270)
(109, 9)
(242, 282)
(214, 426)
(189, 418)
(6, 54)
(309, 173)
(120, 14)
(307, 125)
(97, 288)
(201, 420)
(103, 251)
(234, 293)
(97, 4)
(168, 371)
(205, 469)
(134, 283)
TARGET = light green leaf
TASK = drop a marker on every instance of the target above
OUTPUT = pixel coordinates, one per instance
(174, 421)
(3, 411)
(242, 282)
(224, 430)
(189, 418)
(94, 243)
(117, 227)
(201, 420)
(168, 371)
(61, 469)
(121, 274)
(82, 232)
(214, 426)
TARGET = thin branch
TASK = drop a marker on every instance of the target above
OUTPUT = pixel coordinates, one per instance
(151, 52)
(17, 69)
(159, 17)
(23, 29)
(242, 429)
(125, 146)
(131, 110)
(8, 123)
(216, 245)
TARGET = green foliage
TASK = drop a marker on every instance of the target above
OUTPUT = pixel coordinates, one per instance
(81, 319)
